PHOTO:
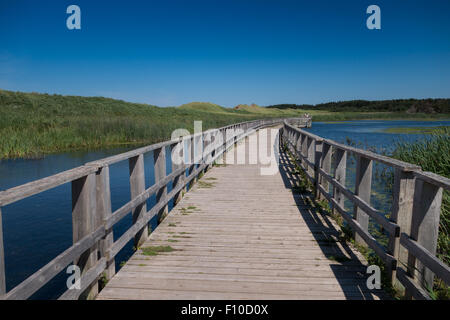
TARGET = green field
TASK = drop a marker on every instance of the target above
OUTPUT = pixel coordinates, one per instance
(33, 124)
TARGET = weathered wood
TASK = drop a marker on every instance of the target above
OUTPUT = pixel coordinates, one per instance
(403, 194)
(429, 260)
(325, 165)
(90, 276)
(377, 215)
(41, 277)
(317, 163)
(364, 234)
(104, 212)
(177, 152)
(363, 187)
(27, 190)
(262, 247)
(120, 213)
(416, 291)
(137, 186)
(2, 259)
(84, 223)
(425, 227)
(339, 175)
(160, 172)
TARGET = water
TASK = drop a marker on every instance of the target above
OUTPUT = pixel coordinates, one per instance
(369, 133)
(39, 228)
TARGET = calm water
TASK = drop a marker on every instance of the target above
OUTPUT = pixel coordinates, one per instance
(39, 228)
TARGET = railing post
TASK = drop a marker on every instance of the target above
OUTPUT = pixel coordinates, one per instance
(311, 149)
(191, 147)
(363, 186)
(317, 160)
(2, 259)
(325, 165)
(304, 151)
(402, 207)
(177, 154)
(83, 223)
(103, 195)
(159, 156)
(425, 228)
(339, 175)
(137, 186)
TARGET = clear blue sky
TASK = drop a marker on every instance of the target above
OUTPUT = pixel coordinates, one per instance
(227, 51)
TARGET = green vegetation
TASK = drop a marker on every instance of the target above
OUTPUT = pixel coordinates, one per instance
(154, 250)
(419, 130)
(33, 124)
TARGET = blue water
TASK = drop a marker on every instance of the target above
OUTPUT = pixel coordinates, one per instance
(39, 228)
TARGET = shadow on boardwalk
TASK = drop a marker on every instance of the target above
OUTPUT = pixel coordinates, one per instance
(349, 270)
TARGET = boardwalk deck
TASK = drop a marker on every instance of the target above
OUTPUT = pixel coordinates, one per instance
(238, 234)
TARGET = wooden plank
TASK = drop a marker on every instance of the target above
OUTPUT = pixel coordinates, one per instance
(363, 187)
(90, 276)
(84, 223)
(236, 239)
(403, 195)
(29, 189)
(340, 174)
(177, 154)
(428, 259)
(325, 165)
(425, 227)
(41, 277)
(159, 156)
(104, 212)
(416, 291)
(137, 187)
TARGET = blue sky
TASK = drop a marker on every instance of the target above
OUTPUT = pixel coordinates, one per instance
(171, 52)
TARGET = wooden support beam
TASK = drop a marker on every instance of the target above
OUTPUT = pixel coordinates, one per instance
(317, 160)
(339, 175)
(160, 173)
(104, 212)
(83, 224)
(402, 206)
(424, 228)
(137, 186)
(326, 166)
(363, 187)
(177, 156)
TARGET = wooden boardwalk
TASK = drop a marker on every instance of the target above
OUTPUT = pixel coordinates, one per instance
(238, 234)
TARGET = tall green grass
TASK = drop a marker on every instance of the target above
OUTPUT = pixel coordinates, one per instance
(33, 124)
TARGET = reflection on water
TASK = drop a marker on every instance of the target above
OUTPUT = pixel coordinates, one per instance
(39, 228)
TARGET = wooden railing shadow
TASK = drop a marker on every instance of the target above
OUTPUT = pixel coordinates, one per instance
(348, 269)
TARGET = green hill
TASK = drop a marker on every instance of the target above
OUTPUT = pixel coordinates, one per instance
(33, 124)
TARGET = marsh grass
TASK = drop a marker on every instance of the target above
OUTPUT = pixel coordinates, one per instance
(32, 124)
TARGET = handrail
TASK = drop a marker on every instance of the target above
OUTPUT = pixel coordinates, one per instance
(413, 224)
(91, 200)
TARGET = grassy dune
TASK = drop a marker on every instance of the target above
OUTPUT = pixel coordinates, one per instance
(34, 124)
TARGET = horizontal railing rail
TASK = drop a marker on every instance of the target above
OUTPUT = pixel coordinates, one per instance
(414, 221)
(94, 248)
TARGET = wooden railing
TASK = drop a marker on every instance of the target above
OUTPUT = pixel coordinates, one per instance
(414, 221)
(94, 248)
